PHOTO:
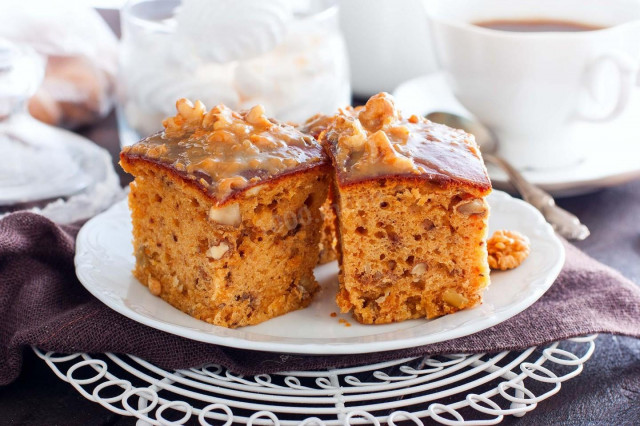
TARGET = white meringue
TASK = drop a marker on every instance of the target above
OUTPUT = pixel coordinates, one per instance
(224, 31)
(304, 74)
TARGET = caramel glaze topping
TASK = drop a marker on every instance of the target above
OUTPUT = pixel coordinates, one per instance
(224, 151)
(318, 123)
(376, 141)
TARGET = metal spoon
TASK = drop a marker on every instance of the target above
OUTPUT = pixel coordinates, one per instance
(565, 223)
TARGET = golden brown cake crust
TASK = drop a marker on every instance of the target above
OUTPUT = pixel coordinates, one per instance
(131, 160)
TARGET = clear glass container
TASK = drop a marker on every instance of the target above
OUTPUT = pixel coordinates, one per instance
(296, 67)
(37, 161)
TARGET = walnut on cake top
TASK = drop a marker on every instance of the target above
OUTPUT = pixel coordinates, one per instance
(224, 151)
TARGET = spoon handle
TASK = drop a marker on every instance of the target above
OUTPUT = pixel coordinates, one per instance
(565, 223)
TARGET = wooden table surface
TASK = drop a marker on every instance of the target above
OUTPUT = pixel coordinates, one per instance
(606, 393)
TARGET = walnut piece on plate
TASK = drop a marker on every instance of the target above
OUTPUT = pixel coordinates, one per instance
(507, 249)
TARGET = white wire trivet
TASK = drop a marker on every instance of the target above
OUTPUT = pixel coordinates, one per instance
(478, 389)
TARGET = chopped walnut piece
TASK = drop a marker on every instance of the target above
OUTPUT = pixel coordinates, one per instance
(380, 110)
(454, 298)
(365, 145)
(419, 269)
(476, 206)
(507, 249)
(189, 117)
(257, 117)
(227, 215)
(155, 287)
(216, 252)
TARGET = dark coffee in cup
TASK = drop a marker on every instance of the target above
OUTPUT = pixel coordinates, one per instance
(537, 25)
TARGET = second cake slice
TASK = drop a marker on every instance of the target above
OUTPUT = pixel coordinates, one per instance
(409, 196)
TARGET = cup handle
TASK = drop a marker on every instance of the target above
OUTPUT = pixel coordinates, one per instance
(627, 74)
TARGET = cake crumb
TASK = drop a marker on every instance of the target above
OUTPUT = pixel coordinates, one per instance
(155, 287)
(507, 249)
(345, 322)
(333, 315)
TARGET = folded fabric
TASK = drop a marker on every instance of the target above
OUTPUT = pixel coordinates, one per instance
(43, 304)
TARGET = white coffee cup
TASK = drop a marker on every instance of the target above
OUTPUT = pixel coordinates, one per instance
(531, 87)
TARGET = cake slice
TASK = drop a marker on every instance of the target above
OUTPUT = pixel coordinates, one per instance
(226, 213)
(412, 216)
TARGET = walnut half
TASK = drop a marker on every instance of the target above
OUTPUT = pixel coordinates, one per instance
(477, 206)
(454, 298)
(227, 215)
(507, 249)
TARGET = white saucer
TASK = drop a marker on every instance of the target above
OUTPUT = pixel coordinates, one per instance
(39, 162)
(613, 148)
(104, 261)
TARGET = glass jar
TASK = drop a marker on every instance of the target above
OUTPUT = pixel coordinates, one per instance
(302, 73)
(65, 176)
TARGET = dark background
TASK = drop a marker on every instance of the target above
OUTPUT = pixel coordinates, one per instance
(606, 393)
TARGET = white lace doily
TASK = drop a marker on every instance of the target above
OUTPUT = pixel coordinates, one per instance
(479, 389)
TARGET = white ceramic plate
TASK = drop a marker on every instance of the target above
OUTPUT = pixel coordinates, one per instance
(104, 262)
(613, 148)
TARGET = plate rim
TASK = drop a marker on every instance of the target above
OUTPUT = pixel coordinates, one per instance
(329, 348)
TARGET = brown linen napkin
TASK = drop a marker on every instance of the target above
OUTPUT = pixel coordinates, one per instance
(43, 304)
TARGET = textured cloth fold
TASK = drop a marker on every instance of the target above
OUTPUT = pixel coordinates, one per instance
(43, 304)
